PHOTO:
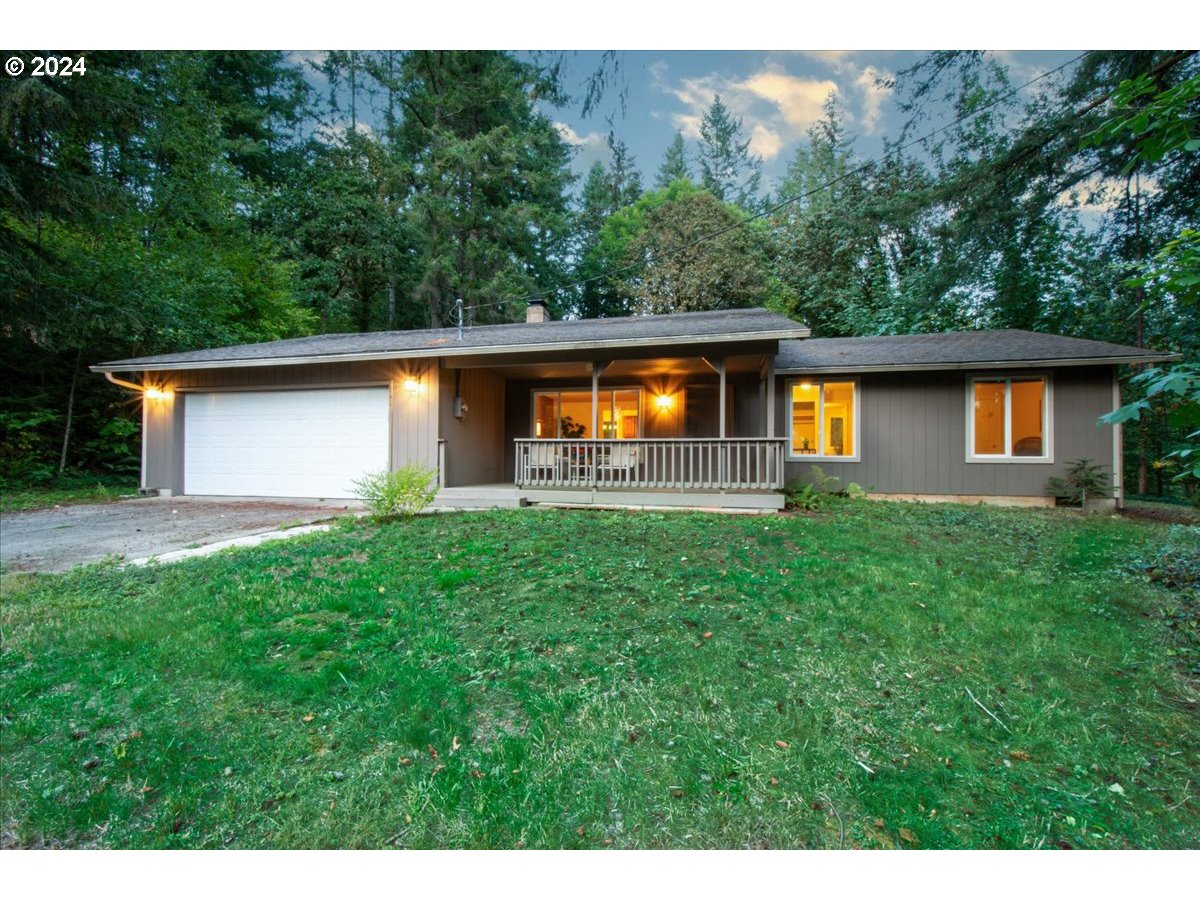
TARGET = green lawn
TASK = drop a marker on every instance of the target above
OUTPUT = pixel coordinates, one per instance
(589, 679)
(68, 490)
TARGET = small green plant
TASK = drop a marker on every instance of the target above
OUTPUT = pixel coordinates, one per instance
(1084, 479)
(812, 494)
(403, 492)
(855, 491)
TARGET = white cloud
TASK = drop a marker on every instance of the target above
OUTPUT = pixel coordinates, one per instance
(575, 139)
(873, 95)
(335, 132)
(774, 106)
(838, 60)
(765, 142)
(1097, 195)
(799, 100)
(589, 148)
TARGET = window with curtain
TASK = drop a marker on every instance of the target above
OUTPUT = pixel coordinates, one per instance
(823, 423)
(1009, 418)
(567, 413)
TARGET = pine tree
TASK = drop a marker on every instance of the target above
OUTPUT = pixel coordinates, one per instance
(728, 169)
(624, 179)
(674, 165)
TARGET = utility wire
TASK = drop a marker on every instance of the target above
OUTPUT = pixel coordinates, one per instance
(787, 201)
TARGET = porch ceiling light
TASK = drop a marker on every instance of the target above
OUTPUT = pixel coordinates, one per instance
(664, 402)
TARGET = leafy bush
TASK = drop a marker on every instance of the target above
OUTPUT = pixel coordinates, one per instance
(1084, 479)
(403, 492)
(812, 494)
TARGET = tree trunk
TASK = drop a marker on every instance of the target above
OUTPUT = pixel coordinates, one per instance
(66, 441)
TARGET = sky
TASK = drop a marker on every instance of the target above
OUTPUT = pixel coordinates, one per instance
(778, 95)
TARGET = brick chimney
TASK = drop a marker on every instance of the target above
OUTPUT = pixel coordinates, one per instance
(537, 311)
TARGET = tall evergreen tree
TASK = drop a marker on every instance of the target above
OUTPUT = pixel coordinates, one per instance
(674, 165)
(625, 181)
(487, 189)
(728, 169)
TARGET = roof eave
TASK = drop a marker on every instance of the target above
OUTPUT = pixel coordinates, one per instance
(986, 364)
(149, 365)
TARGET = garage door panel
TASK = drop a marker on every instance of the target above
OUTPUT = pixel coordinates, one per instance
(310, 443)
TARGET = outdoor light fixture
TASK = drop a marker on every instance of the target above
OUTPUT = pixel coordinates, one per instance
(411, 385)
(663, 402)
(156, 394)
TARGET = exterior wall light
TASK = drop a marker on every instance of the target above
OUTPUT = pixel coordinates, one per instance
(411, 385)
(156, 394)
(664, 402)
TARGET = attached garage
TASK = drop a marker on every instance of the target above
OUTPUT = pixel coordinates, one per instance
(283, 443)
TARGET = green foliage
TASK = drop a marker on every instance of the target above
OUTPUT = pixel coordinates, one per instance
(814, 492)
(1174, 272)
(1177, 390)
(642, 244)
(289, 695)
(728, 170)
(405, 491)
(1158, 121)
(1084, 480)
(21, 494)
(674, 166)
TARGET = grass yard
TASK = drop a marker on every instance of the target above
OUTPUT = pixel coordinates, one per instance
(68, 490)
(591, 679)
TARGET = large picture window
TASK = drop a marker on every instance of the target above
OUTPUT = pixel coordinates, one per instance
(1008, 418)
(568, 413)
(824, 420)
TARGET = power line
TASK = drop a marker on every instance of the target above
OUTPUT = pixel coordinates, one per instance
(787, 201)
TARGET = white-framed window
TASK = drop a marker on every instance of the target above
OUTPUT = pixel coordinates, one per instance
(567, 413)
(1009, 418)
(824, 419)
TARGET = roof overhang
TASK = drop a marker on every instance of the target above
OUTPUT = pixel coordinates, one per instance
(976, 365)
(449, 349)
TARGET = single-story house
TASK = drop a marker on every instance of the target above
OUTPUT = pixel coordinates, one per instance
(707, 409)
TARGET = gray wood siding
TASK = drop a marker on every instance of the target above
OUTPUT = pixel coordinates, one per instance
(474, 444)
(414, 417)
(913, 434)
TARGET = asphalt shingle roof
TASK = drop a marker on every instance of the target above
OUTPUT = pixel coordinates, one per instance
(697, 327)
(950, 350)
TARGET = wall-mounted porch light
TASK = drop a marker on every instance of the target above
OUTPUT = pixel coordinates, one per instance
(664, 402)
(152, 393)
(411, 385)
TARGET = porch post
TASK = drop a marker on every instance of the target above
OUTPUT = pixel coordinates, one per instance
(721, 397)
(771, 397)
(595, 400)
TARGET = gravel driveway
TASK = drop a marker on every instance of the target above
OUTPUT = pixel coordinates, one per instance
(54, 540)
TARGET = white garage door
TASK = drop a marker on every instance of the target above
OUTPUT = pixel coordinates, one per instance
(283, 443)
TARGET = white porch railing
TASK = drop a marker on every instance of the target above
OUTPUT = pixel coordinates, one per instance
(682, 464)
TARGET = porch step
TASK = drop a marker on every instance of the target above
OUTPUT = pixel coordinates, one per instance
(481, 497)
(755, 501)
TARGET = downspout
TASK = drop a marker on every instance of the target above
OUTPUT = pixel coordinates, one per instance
(123, 383)
(120, 382)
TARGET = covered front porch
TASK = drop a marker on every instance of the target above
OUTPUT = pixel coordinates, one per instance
(665, 431)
